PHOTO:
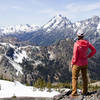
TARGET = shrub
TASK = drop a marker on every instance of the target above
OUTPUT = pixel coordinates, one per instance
(13, 96)
(40, 83)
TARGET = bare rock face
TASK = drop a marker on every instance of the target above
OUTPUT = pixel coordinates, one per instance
(95, 95)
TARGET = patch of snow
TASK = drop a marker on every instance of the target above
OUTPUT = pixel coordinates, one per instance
(58, 20)
(19, 56)
(78, 24)
(7, 45)
(48, 30)
(36, 47)
(9, 89)
(23, 47)
(3, 44)
(49, 24)
(16, 66)
(98, 27)
(86, 22)
(52, 55)
(37, 63)
(11, 45)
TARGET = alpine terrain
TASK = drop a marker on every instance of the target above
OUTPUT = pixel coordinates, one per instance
(29, 52)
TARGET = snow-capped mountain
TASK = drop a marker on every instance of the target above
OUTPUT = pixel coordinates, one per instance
(90, 27)
(18, 29)
(59, 27)
(58, 22)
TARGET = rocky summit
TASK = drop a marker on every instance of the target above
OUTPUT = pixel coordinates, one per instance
(94, 95)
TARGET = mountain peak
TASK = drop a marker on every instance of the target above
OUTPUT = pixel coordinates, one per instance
(57, 22)
(59, 16)
(95, 17)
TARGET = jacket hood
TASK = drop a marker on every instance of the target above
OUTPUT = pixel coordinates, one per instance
(83, 43)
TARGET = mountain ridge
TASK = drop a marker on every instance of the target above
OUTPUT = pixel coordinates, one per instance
(17, 29)
(58, 28)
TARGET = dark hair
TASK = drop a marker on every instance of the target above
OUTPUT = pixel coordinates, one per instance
(80, 37)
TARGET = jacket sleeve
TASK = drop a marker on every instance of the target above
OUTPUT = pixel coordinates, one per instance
(93, 50)
(75, 54)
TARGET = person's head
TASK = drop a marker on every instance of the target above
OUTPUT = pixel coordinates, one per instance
(80, 34)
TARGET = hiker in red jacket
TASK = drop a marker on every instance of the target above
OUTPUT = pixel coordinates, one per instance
(80, 62)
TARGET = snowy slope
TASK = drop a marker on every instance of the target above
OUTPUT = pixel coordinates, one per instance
(9, 89)
(18, 29)
(58, 22)
(16, 66)
(18, 56)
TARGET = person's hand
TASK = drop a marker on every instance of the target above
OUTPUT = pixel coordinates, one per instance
(71, 65)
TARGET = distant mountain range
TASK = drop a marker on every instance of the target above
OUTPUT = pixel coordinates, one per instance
(17, 29)
(59, 27)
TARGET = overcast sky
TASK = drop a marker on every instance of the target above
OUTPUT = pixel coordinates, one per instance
(39, 12)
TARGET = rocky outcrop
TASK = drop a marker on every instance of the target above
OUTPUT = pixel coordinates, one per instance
(95, 95)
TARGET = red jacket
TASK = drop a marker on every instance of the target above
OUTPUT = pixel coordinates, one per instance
(80, 52)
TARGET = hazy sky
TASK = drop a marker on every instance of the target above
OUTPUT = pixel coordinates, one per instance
(39, 12)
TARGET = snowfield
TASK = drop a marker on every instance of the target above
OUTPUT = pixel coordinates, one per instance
(9, 89)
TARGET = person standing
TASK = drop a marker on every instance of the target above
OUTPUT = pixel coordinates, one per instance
(80, 62)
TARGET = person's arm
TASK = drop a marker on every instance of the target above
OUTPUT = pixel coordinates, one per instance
(75, 54)
(93, 50)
